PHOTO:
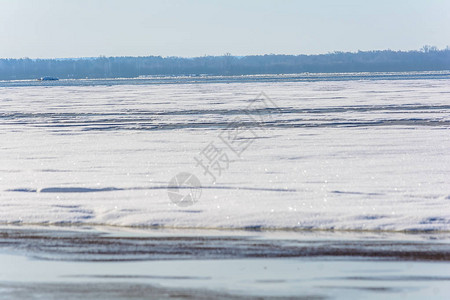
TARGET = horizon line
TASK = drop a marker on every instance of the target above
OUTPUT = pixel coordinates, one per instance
(424, 49)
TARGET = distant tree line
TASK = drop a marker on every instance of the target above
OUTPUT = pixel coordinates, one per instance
(429, 58)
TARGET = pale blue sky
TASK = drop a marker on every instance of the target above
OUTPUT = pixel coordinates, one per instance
(79, 28)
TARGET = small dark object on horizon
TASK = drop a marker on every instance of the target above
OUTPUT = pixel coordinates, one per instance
(46, 78)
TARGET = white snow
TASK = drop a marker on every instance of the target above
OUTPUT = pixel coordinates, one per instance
(356, 155)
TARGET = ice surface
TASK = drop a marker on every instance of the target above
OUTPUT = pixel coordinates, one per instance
(354, 154)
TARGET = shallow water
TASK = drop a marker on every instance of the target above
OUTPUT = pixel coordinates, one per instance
(321, 279)
(130, 263)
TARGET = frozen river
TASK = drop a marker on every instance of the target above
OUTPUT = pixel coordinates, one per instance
(311, 186)
(358, 152)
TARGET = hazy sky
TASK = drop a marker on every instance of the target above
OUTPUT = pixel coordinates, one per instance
(78, 28)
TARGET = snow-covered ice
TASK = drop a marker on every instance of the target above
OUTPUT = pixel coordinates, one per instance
(353, 154)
